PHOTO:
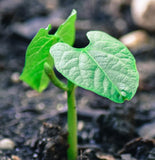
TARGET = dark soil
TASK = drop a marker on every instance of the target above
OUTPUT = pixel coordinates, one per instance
(37, 122)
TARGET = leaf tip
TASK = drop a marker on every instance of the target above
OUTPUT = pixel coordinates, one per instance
(74, 12)
(49, 27)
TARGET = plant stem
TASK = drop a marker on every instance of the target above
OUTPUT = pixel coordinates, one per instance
(72, 115)
(72, 122)
(50, 73)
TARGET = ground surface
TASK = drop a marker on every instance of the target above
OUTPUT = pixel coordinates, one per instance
(36, 122)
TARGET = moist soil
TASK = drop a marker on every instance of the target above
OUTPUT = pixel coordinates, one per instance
(36, 122)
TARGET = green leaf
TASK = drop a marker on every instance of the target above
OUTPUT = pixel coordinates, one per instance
(36, 55)
(38, 52)
(66, 31)
(105, 66)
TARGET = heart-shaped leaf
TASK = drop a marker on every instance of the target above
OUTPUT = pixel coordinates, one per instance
(38, 52)
(105, 66)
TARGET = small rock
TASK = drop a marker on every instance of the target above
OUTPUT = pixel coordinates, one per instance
(35, 155)
(147, 131)
(146, 72)
(50, 4)
(84, 135)
(6, 144)
(102, 156)
(143, 13)
(32, 93)
(80, 125)
(120, 25)
(40, 107)
(135, 39)
(15, 77)
(60, 107)
(127, 157)
(13, 157)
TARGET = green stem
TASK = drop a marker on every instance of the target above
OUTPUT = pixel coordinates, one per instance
(72, 122)
(72, 115)
(51, 74)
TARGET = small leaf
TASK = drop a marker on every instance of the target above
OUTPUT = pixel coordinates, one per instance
(38, 52)
(66, 31)
(105, 66)
(36, 55)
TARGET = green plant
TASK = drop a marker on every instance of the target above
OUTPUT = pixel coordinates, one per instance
(105, 67)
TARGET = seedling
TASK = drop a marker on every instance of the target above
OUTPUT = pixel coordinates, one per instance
(105, 67)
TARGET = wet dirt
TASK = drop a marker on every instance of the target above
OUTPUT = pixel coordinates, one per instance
(36, 122)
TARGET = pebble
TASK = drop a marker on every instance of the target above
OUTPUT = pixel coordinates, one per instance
(40, 107)
(6, 144)
(80, 125)
(102, 156)
(50, 4)
(146, 69)
(120, 25)
(13, 157)
(135, 39)
(147, 130)
(146, 72)
(84, 135)
(32, 93)
(35, 155)
(127, 157)
(15, 77)
(60, 107)
(143, 13)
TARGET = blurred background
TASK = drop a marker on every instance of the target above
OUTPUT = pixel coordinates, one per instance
(130, 21)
